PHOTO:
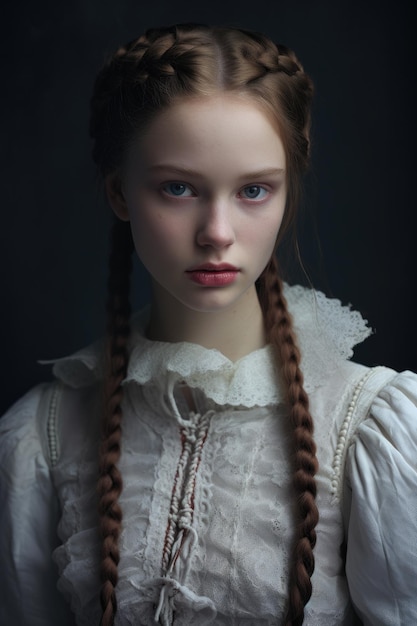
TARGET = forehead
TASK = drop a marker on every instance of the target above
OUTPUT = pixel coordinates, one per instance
(221, 127)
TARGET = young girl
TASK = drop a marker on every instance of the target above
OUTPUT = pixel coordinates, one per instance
(208, 500)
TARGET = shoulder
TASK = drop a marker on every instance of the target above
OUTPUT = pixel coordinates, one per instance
(385, 439)
(380, 505)
(391, 422)
(24, 426)
(29, 514)
(49, 419)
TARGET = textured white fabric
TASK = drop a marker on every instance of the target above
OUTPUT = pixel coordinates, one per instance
(207, 496)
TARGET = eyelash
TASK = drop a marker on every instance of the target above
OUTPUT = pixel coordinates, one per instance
(167, 188)
(258, 187)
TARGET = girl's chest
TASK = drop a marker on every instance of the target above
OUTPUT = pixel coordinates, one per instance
(207, 520)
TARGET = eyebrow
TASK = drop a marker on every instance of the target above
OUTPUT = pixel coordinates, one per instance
(185, 171)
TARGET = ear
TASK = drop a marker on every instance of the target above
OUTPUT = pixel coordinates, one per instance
(113, 186)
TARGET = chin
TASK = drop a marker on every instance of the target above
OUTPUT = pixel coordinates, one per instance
(212, 303)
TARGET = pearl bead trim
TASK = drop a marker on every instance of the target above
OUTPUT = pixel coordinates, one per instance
(343, 438)
(52, 425)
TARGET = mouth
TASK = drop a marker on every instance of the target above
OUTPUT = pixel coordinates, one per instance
(213, 275)
(213, 267)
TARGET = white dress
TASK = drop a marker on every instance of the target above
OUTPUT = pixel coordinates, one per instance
(207, 498)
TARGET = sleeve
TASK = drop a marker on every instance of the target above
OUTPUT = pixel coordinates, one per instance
(381, 475)
(29, 514)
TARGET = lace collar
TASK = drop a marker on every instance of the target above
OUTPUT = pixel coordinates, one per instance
(326, 331)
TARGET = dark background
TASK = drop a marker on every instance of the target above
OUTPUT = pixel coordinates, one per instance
(358, 239)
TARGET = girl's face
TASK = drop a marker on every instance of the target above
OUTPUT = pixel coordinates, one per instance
(205, 189)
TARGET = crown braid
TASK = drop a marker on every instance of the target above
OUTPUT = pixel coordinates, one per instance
(150, 73)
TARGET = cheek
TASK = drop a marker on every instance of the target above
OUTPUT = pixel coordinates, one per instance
(155, 236)
(262, 236)
(274, 225)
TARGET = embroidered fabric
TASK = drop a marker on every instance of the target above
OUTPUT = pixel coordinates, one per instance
(243, 464)
(229, 571)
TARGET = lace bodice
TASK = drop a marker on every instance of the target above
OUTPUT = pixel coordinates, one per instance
(207, 499)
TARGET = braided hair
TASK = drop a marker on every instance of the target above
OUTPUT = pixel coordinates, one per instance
(140, 80)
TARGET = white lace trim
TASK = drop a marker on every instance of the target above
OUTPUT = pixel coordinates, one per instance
(326, 331)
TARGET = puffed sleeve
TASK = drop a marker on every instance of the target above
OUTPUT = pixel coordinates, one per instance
(28, 520)
(381, 491)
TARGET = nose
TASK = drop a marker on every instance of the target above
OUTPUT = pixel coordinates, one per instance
(215, 228)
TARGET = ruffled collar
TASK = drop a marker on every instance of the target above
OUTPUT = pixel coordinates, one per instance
(326, 331)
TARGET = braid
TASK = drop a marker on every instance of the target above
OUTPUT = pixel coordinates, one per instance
(267, 57)
(142, 78)
(110, 481)
(280, 333)
(162, 52)
(139, 81)
(149, 73)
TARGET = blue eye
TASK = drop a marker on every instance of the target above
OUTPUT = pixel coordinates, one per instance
(254, 192)
(178, 190)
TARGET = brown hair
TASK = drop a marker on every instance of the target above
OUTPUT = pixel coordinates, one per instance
(140, 79)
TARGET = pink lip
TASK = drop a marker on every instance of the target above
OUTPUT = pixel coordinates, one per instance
(212, 275)
(213, 267)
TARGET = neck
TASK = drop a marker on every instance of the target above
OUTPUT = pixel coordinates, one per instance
(235, 331)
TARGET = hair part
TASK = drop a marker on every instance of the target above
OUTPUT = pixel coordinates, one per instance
(164, 65)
